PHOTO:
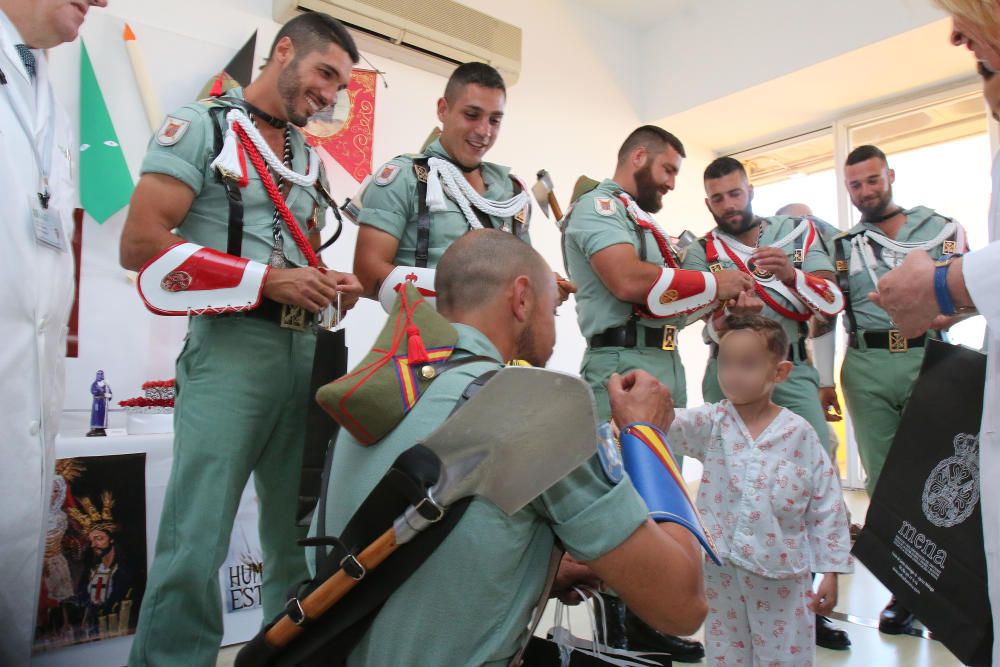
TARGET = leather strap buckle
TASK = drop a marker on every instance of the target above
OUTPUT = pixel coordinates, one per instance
(353, 567)
(897, 342)
(669, 343)
(294, 611)
(429, 509)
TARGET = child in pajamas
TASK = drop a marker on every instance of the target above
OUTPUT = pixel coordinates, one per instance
(771, 500)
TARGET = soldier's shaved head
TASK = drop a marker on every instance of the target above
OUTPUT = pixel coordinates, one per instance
(481, 265)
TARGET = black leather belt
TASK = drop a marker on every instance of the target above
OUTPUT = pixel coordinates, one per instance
(890, 340)
(799, 347)
(285, 316)
(630, 335)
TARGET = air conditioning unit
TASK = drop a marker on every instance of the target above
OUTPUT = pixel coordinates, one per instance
(434, 35)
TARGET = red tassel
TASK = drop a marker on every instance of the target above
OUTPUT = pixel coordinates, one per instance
(217, 86)
(415, 350)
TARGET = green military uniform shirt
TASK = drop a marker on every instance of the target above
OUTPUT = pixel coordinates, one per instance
(816, 259)
(469, 603)
(922, 224)
(389, 203)
(877, 382)
(599, 220)
(186, 155)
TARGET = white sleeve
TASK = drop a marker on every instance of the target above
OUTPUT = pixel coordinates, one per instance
(982, 279)
(691, 430)
(824, 350)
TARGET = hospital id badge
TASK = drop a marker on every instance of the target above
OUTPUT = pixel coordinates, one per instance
(48, 228)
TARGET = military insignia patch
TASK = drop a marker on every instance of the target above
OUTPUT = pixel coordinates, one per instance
(669, 296)
(609, 454)
(387, 175)
(605, 206)
(172, 130)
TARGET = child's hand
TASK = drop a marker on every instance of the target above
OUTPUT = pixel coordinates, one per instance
(824, 600)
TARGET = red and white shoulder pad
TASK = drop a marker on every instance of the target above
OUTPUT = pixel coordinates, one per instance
(680, 291)
(421, 277)
(819, 295)
(189, 279)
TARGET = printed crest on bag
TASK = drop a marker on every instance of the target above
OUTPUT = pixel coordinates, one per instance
(952, 489)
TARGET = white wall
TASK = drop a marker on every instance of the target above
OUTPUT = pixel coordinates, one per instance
(568, 113)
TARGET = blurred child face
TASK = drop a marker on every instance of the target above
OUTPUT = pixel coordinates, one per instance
(748, 371)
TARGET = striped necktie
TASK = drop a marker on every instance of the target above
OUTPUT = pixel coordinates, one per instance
(27, 57)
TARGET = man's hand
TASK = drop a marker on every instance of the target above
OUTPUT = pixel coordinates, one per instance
(306, 287)
(831, 404)
(824, 599)
(745, 304)
(573, 573)
(907, 294)
(348, 285)
(566, 287)
(731, 283)
(775, 261)
(639, 397)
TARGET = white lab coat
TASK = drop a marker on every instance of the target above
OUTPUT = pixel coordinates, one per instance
(982, 277)
(37, 287)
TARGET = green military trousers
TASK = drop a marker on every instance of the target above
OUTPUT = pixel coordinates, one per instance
(799, 393)
(877, 385)
(242, 392)
(600, 363)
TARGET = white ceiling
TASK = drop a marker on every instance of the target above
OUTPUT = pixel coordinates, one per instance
(635, 13)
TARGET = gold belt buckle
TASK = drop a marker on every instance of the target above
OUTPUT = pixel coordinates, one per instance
(897, 343)
(669, 343)
(293, 317)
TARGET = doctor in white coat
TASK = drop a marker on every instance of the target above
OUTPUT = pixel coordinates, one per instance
(36, 281)
(971, 282)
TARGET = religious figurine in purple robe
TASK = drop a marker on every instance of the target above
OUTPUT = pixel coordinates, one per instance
(101, 391)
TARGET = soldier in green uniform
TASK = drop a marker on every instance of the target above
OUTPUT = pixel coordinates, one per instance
(213, 243)
(470, 602)
(633, 298)
(415, 206)
(880, 365)
(616, 254)
(795, 287)
(794, 282)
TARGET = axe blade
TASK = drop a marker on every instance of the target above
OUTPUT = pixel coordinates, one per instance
(511, 461)
(541, 193)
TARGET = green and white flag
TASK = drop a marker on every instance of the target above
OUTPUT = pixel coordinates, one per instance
(105, 181)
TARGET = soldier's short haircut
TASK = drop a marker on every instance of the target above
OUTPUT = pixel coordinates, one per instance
(478, 73)
(480, 265)
(723, 166)
(773, 334)
(654, 139)
(313, 31)
(864, 153)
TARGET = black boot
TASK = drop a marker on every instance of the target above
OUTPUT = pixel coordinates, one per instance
(830, 636)
(641, 637)
(614, 621)
(895, 619)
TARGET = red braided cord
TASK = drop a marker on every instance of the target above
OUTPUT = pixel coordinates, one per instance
(275, 195)
(661, 242)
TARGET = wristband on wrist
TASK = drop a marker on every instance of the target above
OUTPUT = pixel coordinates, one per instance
(944, 301)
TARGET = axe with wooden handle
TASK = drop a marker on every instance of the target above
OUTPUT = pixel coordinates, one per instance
(483, 452)
(544, 195)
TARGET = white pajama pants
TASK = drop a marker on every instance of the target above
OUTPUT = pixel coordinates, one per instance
(757, 622)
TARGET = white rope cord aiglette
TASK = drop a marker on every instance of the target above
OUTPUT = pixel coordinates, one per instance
(444, 174)
(228, 159)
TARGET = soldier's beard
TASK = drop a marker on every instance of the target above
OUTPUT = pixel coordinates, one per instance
(290, 90)
(736, 227)
(647, 193)
(526, 342)
(877, 209)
